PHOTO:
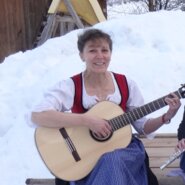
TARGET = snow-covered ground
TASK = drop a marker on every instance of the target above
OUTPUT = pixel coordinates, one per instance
(148, 48)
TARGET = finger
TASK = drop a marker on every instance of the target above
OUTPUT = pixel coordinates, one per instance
(174, 95)
(173, 102)
(98, 134)
(183, 143)
(108, 126)
(106, 131)
(177, 148)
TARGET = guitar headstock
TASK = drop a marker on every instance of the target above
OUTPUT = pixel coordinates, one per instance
(182, 90)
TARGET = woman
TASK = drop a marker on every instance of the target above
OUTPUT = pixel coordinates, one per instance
(181, 143)
(83, 91)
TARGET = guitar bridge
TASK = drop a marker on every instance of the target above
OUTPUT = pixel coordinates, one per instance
(70, 144)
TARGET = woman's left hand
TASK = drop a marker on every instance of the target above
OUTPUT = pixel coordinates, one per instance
(174, 104)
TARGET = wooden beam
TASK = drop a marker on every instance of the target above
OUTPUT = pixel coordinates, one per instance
(97, 10)
(73, 13)
(88, 10)
(54, 7)
(48, 29)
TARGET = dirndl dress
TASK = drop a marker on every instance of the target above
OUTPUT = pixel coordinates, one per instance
(125, 166)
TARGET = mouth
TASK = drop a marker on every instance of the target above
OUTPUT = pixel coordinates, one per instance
(99, 63)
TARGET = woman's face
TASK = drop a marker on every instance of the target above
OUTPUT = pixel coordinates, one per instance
(97, 55)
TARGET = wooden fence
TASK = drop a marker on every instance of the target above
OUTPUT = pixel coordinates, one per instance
(20, 21)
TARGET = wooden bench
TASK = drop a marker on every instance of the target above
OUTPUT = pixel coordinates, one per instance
(159, 150)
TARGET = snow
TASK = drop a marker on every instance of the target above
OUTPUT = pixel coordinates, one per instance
(149, 48)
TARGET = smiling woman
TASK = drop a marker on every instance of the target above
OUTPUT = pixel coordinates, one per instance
(96, 53)
(101, 148)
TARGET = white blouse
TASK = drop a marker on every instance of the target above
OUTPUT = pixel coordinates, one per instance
(61, 97)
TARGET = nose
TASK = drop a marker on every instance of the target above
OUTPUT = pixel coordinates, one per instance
(99, 54)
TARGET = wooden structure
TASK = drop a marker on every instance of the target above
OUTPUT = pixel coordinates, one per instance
(88, 10)
(159, 149)
(67, 15)
(20, 22)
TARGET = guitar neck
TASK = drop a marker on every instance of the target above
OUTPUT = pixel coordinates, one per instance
(139, 112)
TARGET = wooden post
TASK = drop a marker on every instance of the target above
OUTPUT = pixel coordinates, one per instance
(48, 29)
(73, 13)
(63, 22)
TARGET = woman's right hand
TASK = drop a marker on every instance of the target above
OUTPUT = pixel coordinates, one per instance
(181, 144)
(97, 125)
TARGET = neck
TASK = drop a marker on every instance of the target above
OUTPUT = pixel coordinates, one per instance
(100, 85)
(96, 79)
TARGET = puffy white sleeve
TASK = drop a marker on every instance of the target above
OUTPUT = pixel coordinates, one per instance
(59, 98)
(135, 100)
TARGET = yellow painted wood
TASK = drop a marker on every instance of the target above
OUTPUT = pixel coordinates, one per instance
(54, 6)
(88, 10)
(97, 9)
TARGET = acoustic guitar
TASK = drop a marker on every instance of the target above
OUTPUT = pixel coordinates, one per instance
(71, 153)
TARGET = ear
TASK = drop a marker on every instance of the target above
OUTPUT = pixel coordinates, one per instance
(82, 57)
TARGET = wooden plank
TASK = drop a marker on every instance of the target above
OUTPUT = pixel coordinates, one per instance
(20, 22)
(66, 24)
(56, 22)
(160, 142)
(90, 14)
(160, 135)
(54, 6)
(35, 14)
(97, 9)
(157, 162)
(73, 13)
(48, 29)
(162, 178)
(160, 152)
(4, 42)
(12, 27)
(160, 149)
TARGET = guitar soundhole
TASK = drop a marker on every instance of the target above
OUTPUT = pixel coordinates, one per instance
(101, 139)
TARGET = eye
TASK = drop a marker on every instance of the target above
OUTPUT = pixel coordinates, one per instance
(105, 50)
(92, 50)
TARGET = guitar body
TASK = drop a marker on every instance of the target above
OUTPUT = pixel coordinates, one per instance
(72, 153)
(57, 156)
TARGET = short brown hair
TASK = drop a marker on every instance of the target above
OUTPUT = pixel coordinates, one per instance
(92, 34)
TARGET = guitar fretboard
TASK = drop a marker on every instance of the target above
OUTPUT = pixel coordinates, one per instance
(139, 112)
